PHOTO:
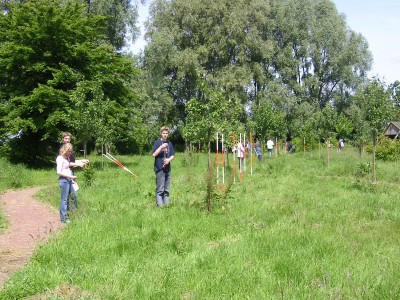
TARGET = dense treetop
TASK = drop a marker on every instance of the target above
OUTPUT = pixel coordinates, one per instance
(278, 68)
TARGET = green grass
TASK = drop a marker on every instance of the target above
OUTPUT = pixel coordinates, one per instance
(298, 228)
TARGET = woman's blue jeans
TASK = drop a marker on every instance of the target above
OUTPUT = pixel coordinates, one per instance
(65, 185)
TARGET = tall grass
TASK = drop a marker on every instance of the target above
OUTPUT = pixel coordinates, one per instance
(298, 228)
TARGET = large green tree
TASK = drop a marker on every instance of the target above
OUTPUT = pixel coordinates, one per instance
(221, 38)
(376, 107)
(120, 17)
(50, 51)
(316, 55)
(248, 48)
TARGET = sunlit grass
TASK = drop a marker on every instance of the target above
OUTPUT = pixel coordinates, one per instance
(300, 227)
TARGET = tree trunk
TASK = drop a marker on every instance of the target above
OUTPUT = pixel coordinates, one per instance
(85, 149)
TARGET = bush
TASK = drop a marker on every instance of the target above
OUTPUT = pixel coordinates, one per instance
(386, 148)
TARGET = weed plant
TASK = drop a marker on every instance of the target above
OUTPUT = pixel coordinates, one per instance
(298, 228)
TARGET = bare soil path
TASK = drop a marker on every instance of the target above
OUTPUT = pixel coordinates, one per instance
(30, 222)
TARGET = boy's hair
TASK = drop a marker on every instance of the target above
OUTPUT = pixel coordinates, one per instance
(66, 133)
(164, 128)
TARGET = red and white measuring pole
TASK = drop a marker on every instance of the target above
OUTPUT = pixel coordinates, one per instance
(118, 163)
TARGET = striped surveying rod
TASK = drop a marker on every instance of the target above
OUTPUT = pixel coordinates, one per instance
(240, 159)
(234, 158)
(223, 164)
(244, 155)
(217, 164)
(251, 153)
(113, 159)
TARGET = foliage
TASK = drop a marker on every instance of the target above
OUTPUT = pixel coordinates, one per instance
(344, 127)
(54, 57)
(88, 175)
(394, 90)
(269, 122)
(386, 148)
(363, 169)
(376, 106)
(289, 52)
(377, 110)
(120, 17)
(211, 112)
(290, 69)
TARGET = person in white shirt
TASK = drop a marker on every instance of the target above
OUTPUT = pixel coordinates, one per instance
(240, 154)
(270, 147)
(65, 179)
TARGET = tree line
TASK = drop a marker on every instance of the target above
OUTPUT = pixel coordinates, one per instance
(277, 68)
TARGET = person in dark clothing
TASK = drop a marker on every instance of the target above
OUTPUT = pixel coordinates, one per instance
(291, 148)
(163, 153)
(257, 147)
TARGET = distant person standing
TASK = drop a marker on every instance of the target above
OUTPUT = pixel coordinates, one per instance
(340, 145)
(270, 147)
(240, 154)
(291, 148)
(257, 147)
(163, 153)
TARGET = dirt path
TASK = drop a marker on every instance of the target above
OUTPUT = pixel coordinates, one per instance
(30, 222)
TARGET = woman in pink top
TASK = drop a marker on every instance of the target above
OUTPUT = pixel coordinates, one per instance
(65, 179)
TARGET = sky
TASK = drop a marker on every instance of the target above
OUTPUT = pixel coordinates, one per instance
(377, 20)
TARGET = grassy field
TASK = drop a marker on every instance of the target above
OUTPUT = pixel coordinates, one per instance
(300, 227)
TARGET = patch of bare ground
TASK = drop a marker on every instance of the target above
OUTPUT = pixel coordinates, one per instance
(30, 222)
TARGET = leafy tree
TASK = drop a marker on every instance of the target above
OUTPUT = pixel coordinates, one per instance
(121, 16)
(344, 127)
(269, 122)
(317, 56)
(376, 106)
(250, 48)
(360, 134)
(220, 38)
(311, 132)
(210, 112)
(158, 107)
(47, 49)
(394, 90)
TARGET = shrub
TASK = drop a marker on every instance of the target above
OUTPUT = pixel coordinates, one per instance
(386, 148)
